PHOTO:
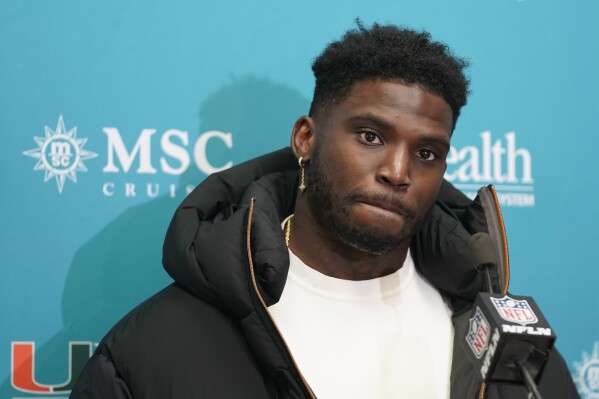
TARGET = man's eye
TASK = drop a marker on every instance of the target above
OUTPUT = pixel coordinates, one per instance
(370, 138)
(427, 155)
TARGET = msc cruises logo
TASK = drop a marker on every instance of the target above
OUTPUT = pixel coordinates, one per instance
(586, 374)
(60, 154)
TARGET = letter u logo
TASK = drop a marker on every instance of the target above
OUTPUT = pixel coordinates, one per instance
(23, 367)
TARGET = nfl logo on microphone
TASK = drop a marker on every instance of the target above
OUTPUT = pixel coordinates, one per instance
(478, 333)
(515, 310)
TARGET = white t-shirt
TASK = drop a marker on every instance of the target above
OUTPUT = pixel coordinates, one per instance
(389, 337)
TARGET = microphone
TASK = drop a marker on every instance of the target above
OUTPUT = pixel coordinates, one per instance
(482, 251)
(508, 339)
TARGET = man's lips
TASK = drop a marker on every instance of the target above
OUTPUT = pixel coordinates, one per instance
(387, 205)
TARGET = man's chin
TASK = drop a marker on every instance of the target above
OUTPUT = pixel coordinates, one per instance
(376, 241)
(377, 248)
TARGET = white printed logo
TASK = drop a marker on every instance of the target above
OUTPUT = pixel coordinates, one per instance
(586, 374)
(498, 161)
(60, 154)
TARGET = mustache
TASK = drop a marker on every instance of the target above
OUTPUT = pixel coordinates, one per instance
(386, 200)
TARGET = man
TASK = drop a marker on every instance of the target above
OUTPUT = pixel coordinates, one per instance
(338, 269)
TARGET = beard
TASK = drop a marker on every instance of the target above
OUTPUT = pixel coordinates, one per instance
(332, 210)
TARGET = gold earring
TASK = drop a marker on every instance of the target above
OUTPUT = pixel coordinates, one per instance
(302, 185)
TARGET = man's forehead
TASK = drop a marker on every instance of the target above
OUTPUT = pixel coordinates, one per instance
(383, 100)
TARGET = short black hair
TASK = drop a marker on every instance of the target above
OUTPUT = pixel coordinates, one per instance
(388, 52)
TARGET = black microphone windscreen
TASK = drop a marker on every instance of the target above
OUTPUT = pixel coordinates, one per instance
(482, 250)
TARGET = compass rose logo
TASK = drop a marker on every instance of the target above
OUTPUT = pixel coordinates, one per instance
(60, 154)
(586, 374)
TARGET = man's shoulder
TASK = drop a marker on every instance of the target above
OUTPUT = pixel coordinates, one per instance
(175, 345)
(171, 321)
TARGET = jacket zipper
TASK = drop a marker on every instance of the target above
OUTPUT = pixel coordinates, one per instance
(497, 226)
(506, 277)
(267, 312)
(493, 203)
(482, 391)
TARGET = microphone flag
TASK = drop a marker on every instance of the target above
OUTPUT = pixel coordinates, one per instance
(505, 330)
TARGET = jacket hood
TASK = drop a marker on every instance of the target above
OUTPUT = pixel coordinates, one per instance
(206, 248)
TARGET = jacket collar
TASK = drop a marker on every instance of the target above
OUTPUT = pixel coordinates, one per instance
(203, 249)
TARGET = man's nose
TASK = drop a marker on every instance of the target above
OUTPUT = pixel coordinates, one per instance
(395, 168)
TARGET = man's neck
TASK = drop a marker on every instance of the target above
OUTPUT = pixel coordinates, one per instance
(322, 251)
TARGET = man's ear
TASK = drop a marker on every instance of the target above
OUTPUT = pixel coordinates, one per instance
(303, 137)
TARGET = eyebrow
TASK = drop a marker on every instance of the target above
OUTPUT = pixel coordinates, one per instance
(436, 140)
(372, 118)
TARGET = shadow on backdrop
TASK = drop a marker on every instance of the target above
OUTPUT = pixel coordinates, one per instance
(121, 265)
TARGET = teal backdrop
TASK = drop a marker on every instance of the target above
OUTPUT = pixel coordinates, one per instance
(112, 110)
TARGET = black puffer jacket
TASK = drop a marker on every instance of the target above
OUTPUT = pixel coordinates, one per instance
(209, 335)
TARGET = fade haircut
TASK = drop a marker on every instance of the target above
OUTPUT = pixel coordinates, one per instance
(388, 53)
